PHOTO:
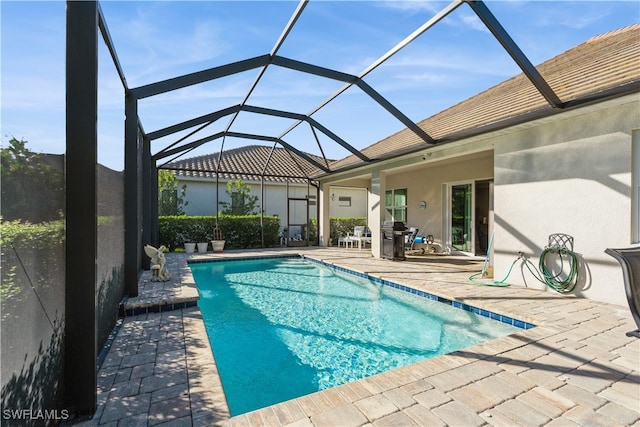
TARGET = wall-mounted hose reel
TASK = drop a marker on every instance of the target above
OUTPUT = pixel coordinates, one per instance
(551, 268)
(561, 245)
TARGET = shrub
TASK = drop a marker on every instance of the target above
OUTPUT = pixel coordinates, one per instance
(313, 230)
(32, 184)
(36, 248)
(45, 234)
(240, 232)
(340, 226)
(170, 199)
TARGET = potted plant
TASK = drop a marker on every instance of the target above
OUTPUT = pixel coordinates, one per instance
(202, 238)
(182, 239)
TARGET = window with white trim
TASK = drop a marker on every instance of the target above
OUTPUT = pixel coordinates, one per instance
(396, 205)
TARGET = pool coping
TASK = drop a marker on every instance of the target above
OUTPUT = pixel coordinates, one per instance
(520, 324)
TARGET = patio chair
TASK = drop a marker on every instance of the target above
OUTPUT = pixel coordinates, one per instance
(364, 237)
(629, 260)
(344, 240)
(361, 236)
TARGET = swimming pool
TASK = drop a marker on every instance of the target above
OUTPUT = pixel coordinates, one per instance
(281, 328)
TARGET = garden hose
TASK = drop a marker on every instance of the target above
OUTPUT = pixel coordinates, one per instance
(543, 274)
(554, 281)
(499, 283)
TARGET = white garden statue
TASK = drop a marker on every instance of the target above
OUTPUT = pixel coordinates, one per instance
(159, 272)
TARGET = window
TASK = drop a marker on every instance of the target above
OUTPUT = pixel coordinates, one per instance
(396, 205)
(344, 201)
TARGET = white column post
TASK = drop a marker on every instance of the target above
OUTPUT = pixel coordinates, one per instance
(324, 222)
(376, 210)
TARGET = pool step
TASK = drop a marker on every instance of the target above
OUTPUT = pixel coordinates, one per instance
(155, 297)
(134, 309)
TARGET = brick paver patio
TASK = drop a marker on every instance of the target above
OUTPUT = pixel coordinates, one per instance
(576, 368)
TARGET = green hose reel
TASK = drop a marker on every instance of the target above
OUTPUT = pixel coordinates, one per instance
(562, 245)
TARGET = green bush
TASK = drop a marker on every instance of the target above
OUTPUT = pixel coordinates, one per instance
(240, 232)
(313, 231)
(40, 245)
(32, 184)
(340, 226)
(45, 234)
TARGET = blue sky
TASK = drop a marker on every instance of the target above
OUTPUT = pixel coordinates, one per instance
(456, 59)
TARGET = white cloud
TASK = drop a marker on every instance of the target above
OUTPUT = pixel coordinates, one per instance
(473, 22)
(160, 40)
(156, 41)
(445, 60)
(414, 6)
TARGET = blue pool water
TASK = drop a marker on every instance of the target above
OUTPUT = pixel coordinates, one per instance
(282, 328)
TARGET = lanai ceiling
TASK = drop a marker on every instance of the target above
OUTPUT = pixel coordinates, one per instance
(330, 71)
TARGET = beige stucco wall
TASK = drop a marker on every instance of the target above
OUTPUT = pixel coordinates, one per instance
(570, 174)
(201, 196)
(358, 197)
(424, 183)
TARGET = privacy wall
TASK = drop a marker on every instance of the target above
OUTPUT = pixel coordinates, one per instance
(33, 276)
(32, 289)
(110, 268)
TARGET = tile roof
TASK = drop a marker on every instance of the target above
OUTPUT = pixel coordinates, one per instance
(602, 63)
(248, 163)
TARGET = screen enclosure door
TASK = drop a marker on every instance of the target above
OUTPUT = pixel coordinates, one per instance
(297, 222)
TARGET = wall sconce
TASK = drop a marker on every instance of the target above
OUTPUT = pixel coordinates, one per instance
(422, 205)
(333, 197)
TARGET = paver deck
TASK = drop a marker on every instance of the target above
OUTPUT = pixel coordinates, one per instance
(575, 368)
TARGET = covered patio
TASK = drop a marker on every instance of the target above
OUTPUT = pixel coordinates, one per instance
(575, 367)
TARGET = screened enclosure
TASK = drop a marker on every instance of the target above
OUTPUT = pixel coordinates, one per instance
(64, 278)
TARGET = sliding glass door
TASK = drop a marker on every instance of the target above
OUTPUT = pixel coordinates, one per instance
(461, 217)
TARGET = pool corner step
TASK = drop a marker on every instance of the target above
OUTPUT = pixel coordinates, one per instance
(134, 308)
